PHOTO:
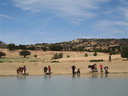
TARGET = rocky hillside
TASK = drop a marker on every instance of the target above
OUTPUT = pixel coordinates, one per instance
(81, 44)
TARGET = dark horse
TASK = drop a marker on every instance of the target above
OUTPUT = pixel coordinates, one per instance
(21, 70)
(93, 68)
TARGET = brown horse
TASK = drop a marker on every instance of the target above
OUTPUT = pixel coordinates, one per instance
(21, 70)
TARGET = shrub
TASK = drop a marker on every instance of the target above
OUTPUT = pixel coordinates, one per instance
(95, 54)
(60, 55)
(86, 55)
(68, 56)
(99, 60)
(124, 52)
(54, 61)
(24, 53)
(35, 56)
(57, 56)
(2, 54)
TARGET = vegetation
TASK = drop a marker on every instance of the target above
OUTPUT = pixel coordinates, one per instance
(99, 60)
(24, 53)
(35, 56)
(86, 55)
(55, 47)
(2, 54)
(17, 59)
(57, 56)
(112, 46)
(12, 46)
(124, 52)
(44, 48)
(95, 54)
(54, 61)
(68, 56)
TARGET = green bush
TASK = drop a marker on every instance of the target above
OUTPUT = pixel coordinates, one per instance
(99, 60)
(35, 56)
(54, 61)
(2, 54)
(124, 52)
(24, 53)
(86, 55)
(57, 56)
(60, 55)
(95, 54)
(1, 61)
(68, 56)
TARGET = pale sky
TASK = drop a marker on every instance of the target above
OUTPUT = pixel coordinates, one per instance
(50, 21)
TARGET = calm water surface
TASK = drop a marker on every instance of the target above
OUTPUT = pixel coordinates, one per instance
(61, 85)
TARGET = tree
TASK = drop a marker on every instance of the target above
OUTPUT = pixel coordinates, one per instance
(2, 54)
(55, 47)
(44, 48)
(124, 52)
(60, 55)
(57, 56)
(68, 56)
(35, 56)
(12, 47)
(25, 53)
(22, 47)
(95, 54)
(86, 55)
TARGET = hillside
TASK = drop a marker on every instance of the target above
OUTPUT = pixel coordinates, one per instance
(81, 44)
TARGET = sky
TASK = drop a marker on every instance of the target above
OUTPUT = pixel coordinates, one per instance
(51, 21)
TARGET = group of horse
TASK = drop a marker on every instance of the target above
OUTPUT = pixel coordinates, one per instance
(94, 68)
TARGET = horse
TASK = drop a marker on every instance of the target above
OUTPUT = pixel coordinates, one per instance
(93, 68)
(20, 70)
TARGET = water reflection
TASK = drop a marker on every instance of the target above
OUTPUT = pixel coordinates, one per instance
(101, 75)
(106, 75)
(65, 85)
(75, 75)
(94, 75)
(21, 77)
(47, 76)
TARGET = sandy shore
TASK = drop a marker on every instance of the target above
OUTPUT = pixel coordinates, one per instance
(63, 66)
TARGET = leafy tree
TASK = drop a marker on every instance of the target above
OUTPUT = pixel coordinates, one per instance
(25, 53)
(74, 49)
(55, 47)
(95, 54)
(35, 56)
(44, 48)
(22, 47)
(60, 55)
(29, 48)
(57, 56)
(86, 55)
(80, 48)
(12, 47)
(124, 52)
(68, 56)
(2, 54)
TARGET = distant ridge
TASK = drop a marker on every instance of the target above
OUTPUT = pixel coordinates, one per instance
(80, 44)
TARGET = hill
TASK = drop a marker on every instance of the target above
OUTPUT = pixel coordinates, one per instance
(99, 45)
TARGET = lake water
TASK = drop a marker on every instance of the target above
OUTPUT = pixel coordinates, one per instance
(65, 85)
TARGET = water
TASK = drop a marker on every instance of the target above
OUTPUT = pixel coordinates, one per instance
(61, 85)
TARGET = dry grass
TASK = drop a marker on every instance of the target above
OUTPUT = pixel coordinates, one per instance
(9, 64)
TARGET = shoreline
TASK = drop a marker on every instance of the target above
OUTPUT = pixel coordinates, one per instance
(35, 66)
(6, 75)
